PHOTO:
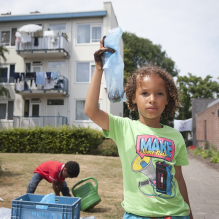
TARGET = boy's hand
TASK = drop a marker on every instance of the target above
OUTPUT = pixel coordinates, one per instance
(98, 55)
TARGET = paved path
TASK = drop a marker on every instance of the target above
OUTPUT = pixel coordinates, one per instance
(203, 189)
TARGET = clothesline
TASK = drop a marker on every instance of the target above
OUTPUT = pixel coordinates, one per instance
(37, 80)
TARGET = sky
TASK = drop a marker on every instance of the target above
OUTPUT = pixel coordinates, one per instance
(188, 30)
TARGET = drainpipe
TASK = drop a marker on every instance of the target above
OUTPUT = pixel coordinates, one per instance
(69, 76)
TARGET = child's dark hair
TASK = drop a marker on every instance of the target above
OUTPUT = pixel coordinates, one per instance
(137, 77)
(73, 168)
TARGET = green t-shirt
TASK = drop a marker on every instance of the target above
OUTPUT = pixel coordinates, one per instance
(148, 157)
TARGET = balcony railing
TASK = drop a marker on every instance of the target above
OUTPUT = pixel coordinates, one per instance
(61, 86)
(44, 44)
(24, 122)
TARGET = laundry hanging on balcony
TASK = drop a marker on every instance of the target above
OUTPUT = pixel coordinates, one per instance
(37, 80)
(51, 35)
(24, 33)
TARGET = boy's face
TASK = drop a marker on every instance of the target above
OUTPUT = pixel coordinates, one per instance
(151, 98)
(64, 173)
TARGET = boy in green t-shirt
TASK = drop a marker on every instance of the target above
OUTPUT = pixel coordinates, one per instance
(151, 153)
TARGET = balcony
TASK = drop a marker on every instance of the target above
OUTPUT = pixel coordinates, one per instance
(25, 122)
(60, 88)
(46, 47)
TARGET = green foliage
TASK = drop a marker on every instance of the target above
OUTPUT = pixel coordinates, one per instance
(194, 87)
(3, 50)
(215, 159)
(211, 153)
(138, 52)
(107, 148)
(64, 139)
(207, 145)
(207, 153)
(197, 151)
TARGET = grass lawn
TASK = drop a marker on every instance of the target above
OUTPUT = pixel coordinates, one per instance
(18, 169)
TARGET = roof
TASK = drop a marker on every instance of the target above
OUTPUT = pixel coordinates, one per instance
(213, 103)
(52, 16)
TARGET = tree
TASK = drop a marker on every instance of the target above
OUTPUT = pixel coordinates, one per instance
(139, 52)
(194, 87)
(4, 92)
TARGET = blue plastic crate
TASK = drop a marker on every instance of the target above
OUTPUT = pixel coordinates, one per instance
(24, 207)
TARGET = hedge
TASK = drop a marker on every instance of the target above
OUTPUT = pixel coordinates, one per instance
(64, 139)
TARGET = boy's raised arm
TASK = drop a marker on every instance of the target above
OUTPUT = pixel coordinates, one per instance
(91, 108)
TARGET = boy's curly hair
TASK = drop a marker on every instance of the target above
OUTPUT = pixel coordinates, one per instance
(73, 168)
(137, 77)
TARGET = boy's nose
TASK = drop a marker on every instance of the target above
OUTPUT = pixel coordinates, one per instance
(152, 98)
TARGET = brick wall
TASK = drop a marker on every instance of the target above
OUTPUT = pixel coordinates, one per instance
(209, 119)
(198, 105)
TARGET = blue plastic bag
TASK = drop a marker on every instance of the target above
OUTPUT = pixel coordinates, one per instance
(50, 198)
(113, 66)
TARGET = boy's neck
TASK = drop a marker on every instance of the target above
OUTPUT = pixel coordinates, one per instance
(153, 123)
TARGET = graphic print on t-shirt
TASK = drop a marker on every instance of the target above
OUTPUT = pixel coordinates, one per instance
(160, 178)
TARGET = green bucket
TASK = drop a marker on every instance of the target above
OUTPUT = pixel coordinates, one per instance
(88, 194)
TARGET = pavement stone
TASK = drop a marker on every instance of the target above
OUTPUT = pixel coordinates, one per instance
(203, 190)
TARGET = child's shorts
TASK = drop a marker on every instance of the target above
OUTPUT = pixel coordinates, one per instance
(133, 216)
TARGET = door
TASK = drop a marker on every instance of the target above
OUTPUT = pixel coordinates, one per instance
(34, 114)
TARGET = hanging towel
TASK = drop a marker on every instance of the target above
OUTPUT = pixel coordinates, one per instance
(40, 78)
(36, 42)
(33, 85)
(30, 76)
(16, 76)
(22, 76)
(55, 74)
(25, 37)
(49, 84)
(48, 75)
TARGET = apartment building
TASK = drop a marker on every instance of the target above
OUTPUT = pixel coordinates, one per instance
(68, 53)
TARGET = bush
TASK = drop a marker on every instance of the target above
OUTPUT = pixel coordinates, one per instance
(63, 139)
(197, 151)
(215, 159)
(207, 153)
(107, 148)
(207, 145)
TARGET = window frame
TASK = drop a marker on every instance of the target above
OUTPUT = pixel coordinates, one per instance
(91, 25)
(90, 72)
(6, 29)
(8, 74)
(58, 24)
(10, 38)
(82, 99)
(6, 116)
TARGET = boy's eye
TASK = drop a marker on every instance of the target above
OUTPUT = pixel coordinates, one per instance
(160, 93)
(144, 93)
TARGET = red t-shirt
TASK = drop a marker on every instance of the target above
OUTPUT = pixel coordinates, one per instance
(50, 171)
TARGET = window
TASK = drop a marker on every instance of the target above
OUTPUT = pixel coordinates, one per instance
(35, 110)
(6, 110)
(89, 33)
(61, 27)
(79, 111)
(7, 73)
(26, 108)
(56, 65)
(84, 72)
(7, 37)
(28, 67)
(58, 28)
(55, 102)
